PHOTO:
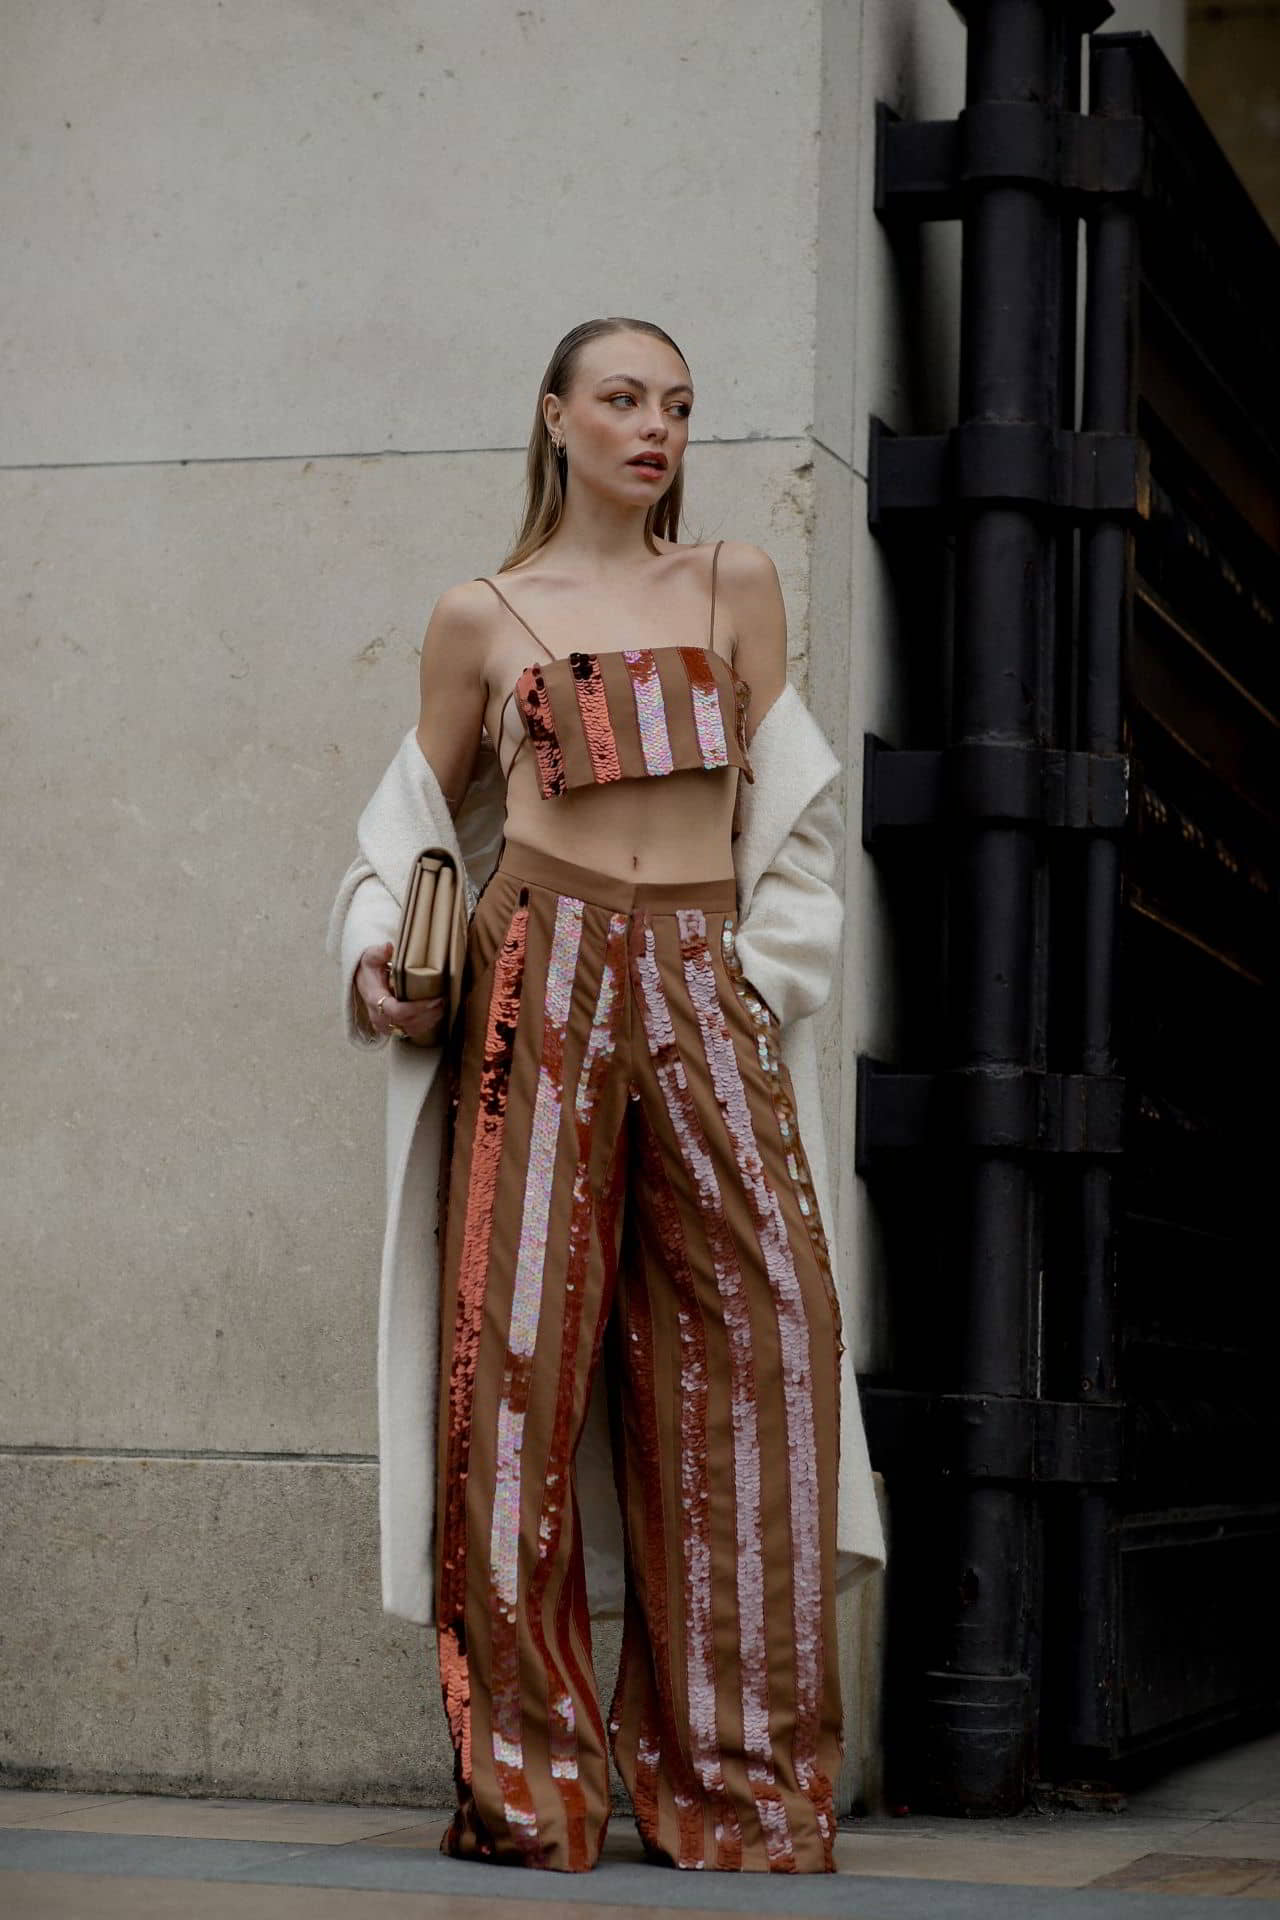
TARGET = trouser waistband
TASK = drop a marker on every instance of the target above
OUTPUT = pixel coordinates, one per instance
(717, 895)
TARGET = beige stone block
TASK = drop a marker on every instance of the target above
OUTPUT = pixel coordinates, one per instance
(344, 239)
(209, 1626)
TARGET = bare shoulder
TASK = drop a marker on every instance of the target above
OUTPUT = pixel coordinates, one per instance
(746, 567)
(460, 630)
(457, 642)
(752, 591)
(758, 615)
(463, 610)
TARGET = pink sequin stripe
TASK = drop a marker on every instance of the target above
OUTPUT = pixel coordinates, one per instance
(562, 1731)
(526, 1306)
(486, 1153)
(661, 1039)
(793, 1335)
(534, 703)
(707, 716)
(651, 713)
(699, 1632)
(597, 723)
(648, 1774)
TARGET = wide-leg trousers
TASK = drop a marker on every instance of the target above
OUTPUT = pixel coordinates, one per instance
(623, 1185)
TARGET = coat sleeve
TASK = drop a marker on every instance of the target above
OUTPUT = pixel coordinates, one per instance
(788, 939)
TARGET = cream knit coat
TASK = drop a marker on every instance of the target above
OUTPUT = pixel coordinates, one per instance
(789, 924)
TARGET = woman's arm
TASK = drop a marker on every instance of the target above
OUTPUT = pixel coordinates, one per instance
(749, 581)
(453, 688)
(452, 693)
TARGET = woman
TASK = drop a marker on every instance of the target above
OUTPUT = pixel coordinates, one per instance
(623, 1193)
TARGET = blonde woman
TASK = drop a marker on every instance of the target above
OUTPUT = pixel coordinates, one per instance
(625, 1205)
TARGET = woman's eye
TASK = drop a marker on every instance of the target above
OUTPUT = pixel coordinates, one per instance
(684, 407)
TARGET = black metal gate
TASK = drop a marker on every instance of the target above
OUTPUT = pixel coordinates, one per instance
(1071, 1156)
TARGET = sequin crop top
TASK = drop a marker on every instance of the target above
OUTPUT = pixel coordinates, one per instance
(629, 713)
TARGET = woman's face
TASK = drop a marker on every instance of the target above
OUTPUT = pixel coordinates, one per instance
(631, 394)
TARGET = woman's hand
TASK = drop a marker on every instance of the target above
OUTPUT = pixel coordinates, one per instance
(421, 1021)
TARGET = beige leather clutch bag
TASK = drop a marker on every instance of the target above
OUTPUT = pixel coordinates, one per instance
(431, 945)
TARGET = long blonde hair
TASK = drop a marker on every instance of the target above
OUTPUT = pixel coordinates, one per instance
(544, 468)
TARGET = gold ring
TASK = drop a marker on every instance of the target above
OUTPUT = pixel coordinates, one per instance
(399, 1032)
(378, 1008)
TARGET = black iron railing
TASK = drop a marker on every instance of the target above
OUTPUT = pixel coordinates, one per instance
(1097, 778)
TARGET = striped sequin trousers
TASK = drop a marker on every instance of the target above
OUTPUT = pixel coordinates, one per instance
(623, 1186)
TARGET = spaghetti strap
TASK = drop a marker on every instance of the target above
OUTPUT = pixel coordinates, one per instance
(522, 741)
(497, 745)
(519, 616)
(711, 628)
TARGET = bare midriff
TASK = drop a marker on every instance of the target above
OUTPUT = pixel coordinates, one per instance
(674, 826)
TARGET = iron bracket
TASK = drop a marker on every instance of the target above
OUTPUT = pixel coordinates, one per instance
(1023, 462)
(990, 781)
(984, 1436)
(924, 168)
(991, 1109)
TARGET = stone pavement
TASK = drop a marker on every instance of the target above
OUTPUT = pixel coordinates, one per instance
(1207, 1832)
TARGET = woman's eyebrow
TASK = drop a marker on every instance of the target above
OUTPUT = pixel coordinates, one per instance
(631, 381)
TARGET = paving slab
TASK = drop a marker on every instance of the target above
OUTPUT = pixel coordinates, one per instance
(30, 1807)
(1198, 1873)
(1234, 1838)
(36, 1857)
(314, 1823)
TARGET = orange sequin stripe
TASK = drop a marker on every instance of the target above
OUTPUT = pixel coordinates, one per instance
(507, 1704)
(597, 724)
(535, 705)
(455, 1686)
(486, 1152)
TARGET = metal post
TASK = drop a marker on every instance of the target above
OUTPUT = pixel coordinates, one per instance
(1017, 294)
